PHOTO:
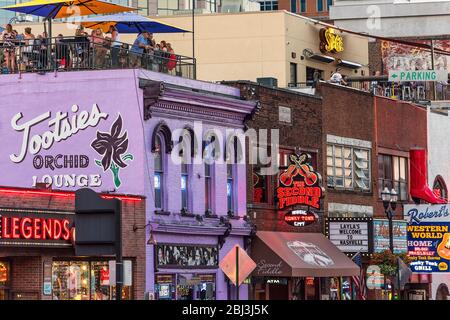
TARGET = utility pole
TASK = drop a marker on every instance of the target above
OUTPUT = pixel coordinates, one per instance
(193, 40)
(432, 68)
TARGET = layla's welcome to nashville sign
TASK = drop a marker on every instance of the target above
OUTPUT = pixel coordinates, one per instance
(299, 184)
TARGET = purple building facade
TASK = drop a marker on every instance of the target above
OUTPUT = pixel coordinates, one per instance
(114, 131)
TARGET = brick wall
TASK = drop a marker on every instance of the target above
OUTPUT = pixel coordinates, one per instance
(348, 113)
(400, 127)
(27, 262)
(304, 132)
(375, 61)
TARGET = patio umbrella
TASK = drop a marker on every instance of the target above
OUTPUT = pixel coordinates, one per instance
(54, 9)
(129, 23)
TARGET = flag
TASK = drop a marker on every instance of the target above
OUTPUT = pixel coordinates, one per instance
(359, 281)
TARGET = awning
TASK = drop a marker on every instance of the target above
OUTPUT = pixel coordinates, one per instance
(291, 254)
(348, 64)
(310, 54)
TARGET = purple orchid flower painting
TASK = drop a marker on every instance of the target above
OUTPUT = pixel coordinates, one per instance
(113, 146)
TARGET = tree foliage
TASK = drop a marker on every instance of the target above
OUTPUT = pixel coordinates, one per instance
(387, 261)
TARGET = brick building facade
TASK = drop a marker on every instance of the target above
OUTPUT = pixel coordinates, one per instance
(356, 138)
(303, 133)
(27, 264)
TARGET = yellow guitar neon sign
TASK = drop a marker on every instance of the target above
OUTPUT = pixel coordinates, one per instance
(330, 41)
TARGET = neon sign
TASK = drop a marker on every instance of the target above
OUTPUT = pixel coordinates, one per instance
(299, 184)
(330, 41)
(300, 218)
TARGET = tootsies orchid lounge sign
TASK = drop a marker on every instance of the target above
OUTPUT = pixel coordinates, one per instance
(90, 145)
(24, 227)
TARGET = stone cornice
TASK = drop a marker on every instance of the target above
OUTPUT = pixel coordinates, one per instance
(177, 228)
(180, 111)
(161, 99)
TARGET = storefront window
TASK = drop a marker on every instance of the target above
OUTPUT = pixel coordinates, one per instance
(196, 286)
(79, 281)
(100, 287)
(4, 273)
(4, 280)
(165, 287)
(346, 288)
(185, 286)
(84, 280)
(334, 288)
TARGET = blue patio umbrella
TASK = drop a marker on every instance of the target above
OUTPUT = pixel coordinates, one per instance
(128, 23)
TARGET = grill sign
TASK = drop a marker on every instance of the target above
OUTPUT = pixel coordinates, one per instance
(299, 184)
(299, 218)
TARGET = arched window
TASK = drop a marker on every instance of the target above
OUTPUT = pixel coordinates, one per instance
(188, 146)
(158, 155)
(233, 156)
(440, 188)
(209, 155)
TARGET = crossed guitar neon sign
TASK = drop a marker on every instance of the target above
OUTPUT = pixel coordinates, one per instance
(299, 184)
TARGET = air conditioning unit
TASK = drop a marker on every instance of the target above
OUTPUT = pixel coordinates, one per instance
(268, 81)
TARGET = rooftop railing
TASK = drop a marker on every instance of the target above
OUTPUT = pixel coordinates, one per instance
(406, 91)
(80, 53)
(415, 91)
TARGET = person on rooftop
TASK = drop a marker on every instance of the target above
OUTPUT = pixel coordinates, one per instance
(337, 78)
(142, 43)
(9, 44)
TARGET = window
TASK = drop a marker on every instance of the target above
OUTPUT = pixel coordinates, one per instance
(440, 188)
(319, 5)
(302, 5)
(4, 273)
(293, 73)
(84, 280)
(392, 173)
(329, 3)
(211, 5)
(184, 185)
(188, 148)
(209, 158)
(348, 167)
(294, 6)
(208, 188)
(159, 173)
(268, 5)
(167, 7)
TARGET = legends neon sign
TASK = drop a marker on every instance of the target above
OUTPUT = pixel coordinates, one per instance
(34, 227)
(299, 184)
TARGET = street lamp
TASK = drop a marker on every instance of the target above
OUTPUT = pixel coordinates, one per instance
(390, 203)
(389, 199)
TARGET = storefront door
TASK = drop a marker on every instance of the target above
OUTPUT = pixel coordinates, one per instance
(278, 292)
